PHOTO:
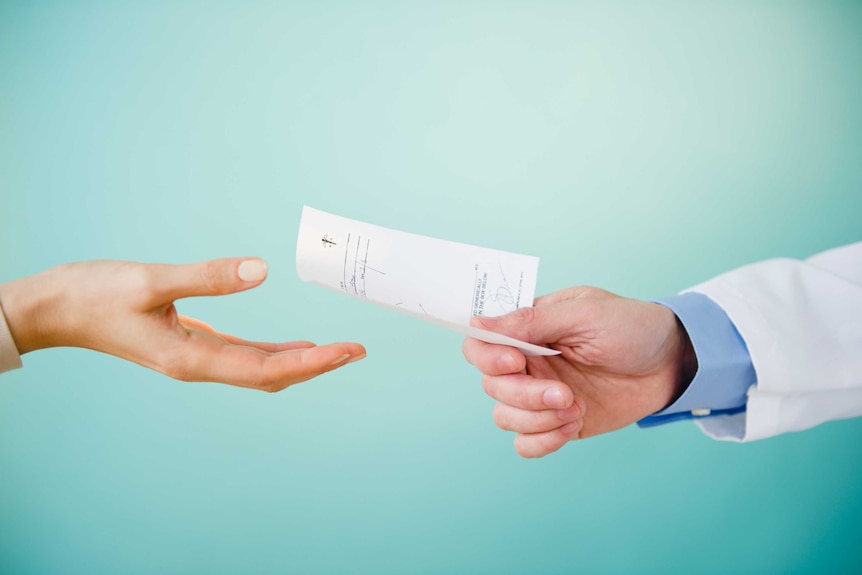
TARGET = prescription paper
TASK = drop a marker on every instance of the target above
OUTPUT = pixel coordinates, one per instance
(439, 281)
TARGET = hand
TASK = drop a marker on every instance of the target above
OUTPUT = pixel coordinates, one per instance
(127, 309)
(621, 360)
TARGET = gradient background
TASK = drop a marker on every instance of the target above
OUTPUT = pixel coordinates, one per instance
(639, 146)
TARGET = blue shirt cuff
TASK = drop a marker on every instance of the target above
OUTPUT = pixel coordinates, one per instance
(724, 368)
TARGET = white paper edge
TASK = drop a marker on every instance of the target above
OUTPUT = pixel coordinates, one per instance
(529, 349)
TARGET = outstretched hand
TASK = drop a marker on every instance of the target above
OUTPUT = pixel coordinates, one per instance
(128, 310)
(621, 360)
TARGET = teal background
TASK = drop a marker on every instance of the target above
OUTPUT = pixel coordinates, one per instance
(638, 146)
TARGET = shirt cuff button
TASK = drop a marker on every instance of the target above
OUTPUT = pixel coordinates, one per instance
(700, 412)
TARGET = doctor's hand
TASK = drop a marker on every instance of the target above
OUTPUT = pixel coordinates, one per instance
(621, 360)
(128, 310)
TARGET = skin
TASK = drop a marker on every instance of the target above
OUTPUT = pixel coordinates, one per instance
(128, 310)
(621, 360)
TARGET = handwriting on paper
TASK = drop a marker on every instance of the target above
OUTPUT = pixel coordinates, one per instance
(438, 280)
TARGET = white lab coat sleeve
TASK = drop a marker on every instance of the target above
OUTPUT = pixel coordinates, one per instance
(802, 324)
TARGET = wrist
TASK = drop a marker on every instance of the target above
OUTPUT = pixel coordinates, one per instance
(680, 361)
(687, 361)
(30, 305)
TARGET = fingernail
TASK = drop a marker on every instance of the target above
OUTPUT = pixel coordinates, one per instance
(553, 397)
(507, 362)
(573, 427)
(252, 270)
(340, 359)
(357, 357)
(570, 413)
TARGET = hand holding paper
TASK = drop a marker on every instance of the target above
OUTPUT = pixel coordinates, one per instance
(439, 281)
(622, 360)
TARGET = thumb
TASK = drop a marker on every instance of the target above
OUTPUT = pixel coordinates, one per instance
(540, 325)
(213, 277)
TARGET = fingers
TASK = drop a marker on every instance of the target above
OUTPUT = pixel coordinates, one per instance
(265, 345)
(546, 324)
(510, 418)
(570, 293)
(545, 413)
(541, 444)
(214, 277)
(282, 370)
(493, 359)
(526, 392)
(209, 358)
(198, 325)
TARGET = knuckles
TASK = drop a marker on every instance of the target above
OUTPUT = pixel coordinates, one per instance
(467, 349)
(213, 278)
(142, 283)
(501, 417)
(261, 380)
(176, 367)
(515, 394)
(541, 444)
(551, 442)
(488, 385)
(519, 317)
(524, 398)
(526, 448)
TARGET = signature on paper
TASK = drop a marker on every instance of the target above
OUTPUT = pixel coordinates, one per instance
(503, 295)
